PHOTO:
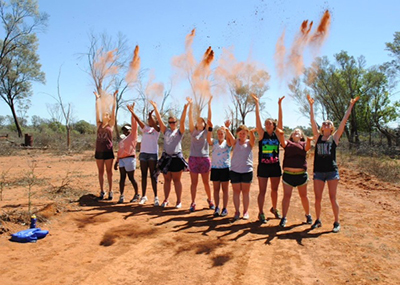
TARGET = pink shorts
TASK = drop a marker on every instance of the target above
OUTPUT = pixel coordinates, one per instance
(199, 164)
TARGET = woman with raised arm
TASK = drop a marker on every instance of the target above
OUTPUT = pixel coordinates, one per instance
(268, 160)
(126, 156)
(241, 171)
(148, 156)
(294, 171)
(199, 159)
(172, 162)
(220, 163)
(104, 153)
(325, 166)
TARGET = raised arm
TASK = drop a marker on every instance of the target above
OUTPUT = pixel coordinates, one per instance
(153, 123)
(183, 117)
(281, 136)
(252, 137)
(134, 130)
(312, 118)
(191, 124)
(259, 127)
(163, 128)
(141, 124)
(98, 121)
(210, 140)
(209, 109)
(342, 125)
(308, 143)
(227, 125)
(112, 118)
(280, 116)
(229, 136)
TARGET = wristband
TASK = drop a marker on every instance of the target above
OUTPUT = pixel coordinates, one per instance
(210, 129)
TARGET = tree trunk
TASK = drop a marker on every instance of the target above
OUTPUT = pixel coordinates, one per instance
(68, 137)
(16, 120)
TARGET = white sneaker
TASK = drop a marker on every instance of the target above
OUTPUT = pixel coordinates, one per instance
(246, 216)
(143, 200)
(156, 202)
(178, 206)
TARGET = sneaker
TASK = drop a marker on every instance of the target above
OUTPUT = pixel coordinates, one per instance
(135, 198)
(237, 216)
(276, 213)
(178, 206)
(261, 218)
(102, 195)
(317, 224)
(164, 204)
(143, 200)
(224, 212)
(216, 212)
(211, 204)
(246, 216)
(309, 219)
(110, 195)
(156, 202)
(282, 224)
(121, 199)
(192, 207)
(336, 227)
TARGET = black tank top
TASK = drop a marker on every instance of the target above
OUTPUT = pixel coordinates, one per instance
(268, 149)
(325, 155)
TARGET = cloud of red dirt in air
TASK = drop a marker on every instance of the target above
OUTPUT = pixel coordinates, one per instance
(103, 69)
(293, 64)
(134, 67)
(184, 63)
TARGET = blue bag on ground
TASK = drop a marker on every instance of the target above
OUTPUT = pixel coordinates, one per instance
(29, 235)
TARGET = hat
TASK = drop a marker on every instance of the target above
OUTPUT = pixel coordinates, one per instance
(126, 127)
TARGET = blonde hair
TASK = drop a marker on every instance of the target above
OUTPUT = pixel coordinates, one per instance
(302, 139)
(332, 128)
(242, 128)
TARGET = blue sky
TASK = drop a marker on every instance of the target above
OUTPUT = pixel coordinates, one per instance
(252, 28)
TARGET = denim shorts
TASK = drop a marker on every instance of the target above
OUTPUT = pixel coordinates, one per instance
(129, 163)
(147, 156)
(326, 176)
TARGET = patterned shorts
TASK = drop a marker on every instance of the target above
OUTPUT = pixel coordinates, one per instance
(199, 164)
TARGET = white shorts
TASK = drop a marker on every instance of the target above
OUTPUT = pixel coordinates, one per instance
(129, 163)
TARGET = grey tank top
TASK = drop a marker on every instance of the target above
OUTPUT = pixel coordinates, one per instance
(242, 157)
(199, 146)
(172, 141)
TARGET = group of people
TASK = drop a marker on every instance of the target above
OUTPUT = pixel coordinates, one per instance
(231, 160)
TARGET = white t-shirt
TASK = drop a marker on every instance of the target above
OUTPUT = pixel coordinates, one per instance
(149, 142)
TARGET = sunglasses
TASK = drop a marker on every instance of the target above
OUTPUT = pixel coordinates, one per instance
(326, 124)
(172, 122)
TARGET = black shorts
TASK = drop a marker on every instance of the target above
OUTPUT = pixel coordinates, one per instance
(295, 179)
(219, 174)
(104, 155)
(241, 177)
(176, 165)
(269, 170)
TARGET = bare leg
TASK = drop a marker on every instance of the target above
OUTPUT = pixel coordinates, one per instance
(304, 199)
(194, 178)
(236, 196)
(122, 177)
(318, 190)
(176, 177)
(216, 186)
(262, 185)
(225, 190)
(131, 176)
(100, 168)
(206, 181)
(167, 185)
(274, 191)
(246, 196)
(109, 169)
(332, 186)
(287, 194)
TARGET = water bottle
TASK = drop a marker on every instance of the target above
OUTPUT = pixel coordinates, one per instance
(33, 222)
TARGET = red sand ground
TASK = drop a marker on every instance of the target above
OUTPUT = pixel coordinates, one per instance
(94, 242)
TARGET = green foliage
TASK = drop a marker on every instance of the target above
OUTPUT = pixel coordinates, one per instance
(84, 127)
